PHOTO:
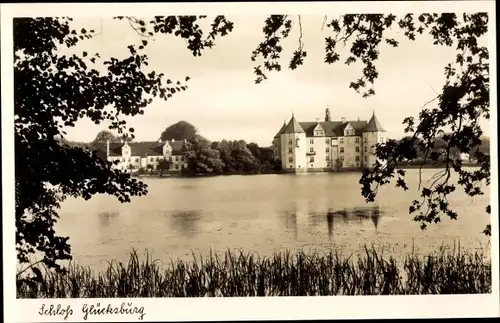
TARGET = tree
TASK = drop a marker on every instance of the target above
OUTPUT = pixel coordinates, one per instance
(105, 135)
(164, 165)
(181, 130)
(53, 91)
(202, 159)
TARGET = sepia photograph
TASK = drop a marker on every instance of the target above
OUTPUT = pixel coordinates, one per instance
(272, 151)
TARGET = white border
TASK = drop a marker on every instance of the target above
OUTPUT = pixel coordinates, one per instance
(241, 308)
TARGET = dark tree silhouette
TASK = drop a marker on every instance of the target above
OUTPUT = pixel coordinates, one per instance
(104, 136)
(462, 102)
(53, 91)
(179, 131)
(164, 165)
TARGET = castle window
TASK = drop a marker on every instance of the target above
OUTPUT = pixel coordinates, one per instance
(289, 150)
(297, 142)
(137, 160)
(290, 159)
(327, 141)
(123, 159)
(311, 141)
(357, 140)
(357, 149)
(129, 160)
(366, 149)
(341, 149)
(357, 164)
(364, 139)
(357, 158)
(290, 142)
(342, 158)
(341, 140)
(151, 159)
(327, 149)
(366, 158)
(311, 149)
(327, 158)
(311, 159)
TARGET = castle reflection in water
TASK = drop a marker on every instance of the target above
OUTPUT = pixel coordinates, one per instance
(340, 217)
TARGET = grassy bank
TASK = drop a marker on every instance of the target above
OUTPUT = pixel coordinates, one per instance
(284, 274)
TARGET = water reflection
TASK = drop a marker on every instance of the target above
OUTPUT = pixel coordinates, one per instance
(105, 218)
(186, 222)
(291, 223)
(359, 214)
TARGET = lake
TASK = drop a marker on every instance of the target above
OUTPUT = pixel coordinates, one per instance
(262, 213)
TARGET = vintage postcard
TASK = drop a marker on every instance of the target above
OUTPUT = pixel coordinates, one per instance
(228, 161)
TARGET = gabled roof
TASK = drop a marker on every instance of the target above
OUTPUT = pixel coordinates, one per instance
(333, 128)
(318, 126)
(374, 124)
(293, 127)
(140, 149)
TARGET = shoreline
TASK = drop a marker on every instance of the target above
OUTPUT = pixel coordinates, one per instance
(177, 175)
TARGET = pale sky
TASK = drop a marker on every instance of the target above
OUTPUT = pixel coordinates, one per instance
(223, 101)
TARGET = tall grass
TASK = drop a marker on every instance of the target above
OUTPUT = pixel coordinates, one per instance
(283, 274)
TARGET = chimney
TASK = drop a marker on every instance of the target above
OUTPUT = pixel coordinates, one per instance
(317, 120)
(107, 148)
(343, 119)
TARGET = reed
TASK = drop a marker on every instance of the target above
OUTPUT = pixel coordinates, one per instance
(284, 274)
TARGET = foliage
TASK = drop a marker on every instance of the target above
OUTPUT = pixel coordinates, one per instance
(283, 274)
(54, 90)
(201, 158)
(105, 135)
(229, 157)
(462, 102)
(181, 130)
(164, 165)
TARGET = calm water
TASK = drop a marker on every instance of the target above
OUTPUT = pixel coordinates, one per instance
(263, 213)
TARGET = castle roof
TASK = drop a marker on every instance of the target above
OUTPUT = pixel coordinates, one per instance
(374, 124)
(333, 128)
(293, 126)
(139, 149)
(281, 130)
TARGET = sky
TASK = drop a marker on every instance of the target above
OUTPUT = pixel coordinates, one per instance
(223, 102)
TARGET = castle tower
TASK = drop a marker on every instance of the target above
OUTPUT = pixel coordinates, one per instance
(278, 154)
(373, 134)
(327, 115)
(293, 145)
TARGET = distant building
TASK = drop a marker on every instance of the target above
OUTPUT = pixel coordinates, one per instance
(328, 145)
(146, 155)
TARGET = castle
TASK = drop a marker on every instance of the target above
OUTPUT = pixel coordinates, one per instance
(132, 156)
(328, 145)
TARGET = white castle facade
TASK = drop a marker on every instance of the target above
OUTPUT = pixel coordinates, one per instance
(146, 155)
(328, 145)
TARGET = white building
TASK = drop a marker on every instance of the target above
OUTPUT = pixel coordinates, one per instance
(132, 156)
(328, 145)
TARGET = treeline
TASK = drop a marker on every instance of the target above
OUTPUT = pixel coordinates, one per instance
(439, 149)
(229, 157)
